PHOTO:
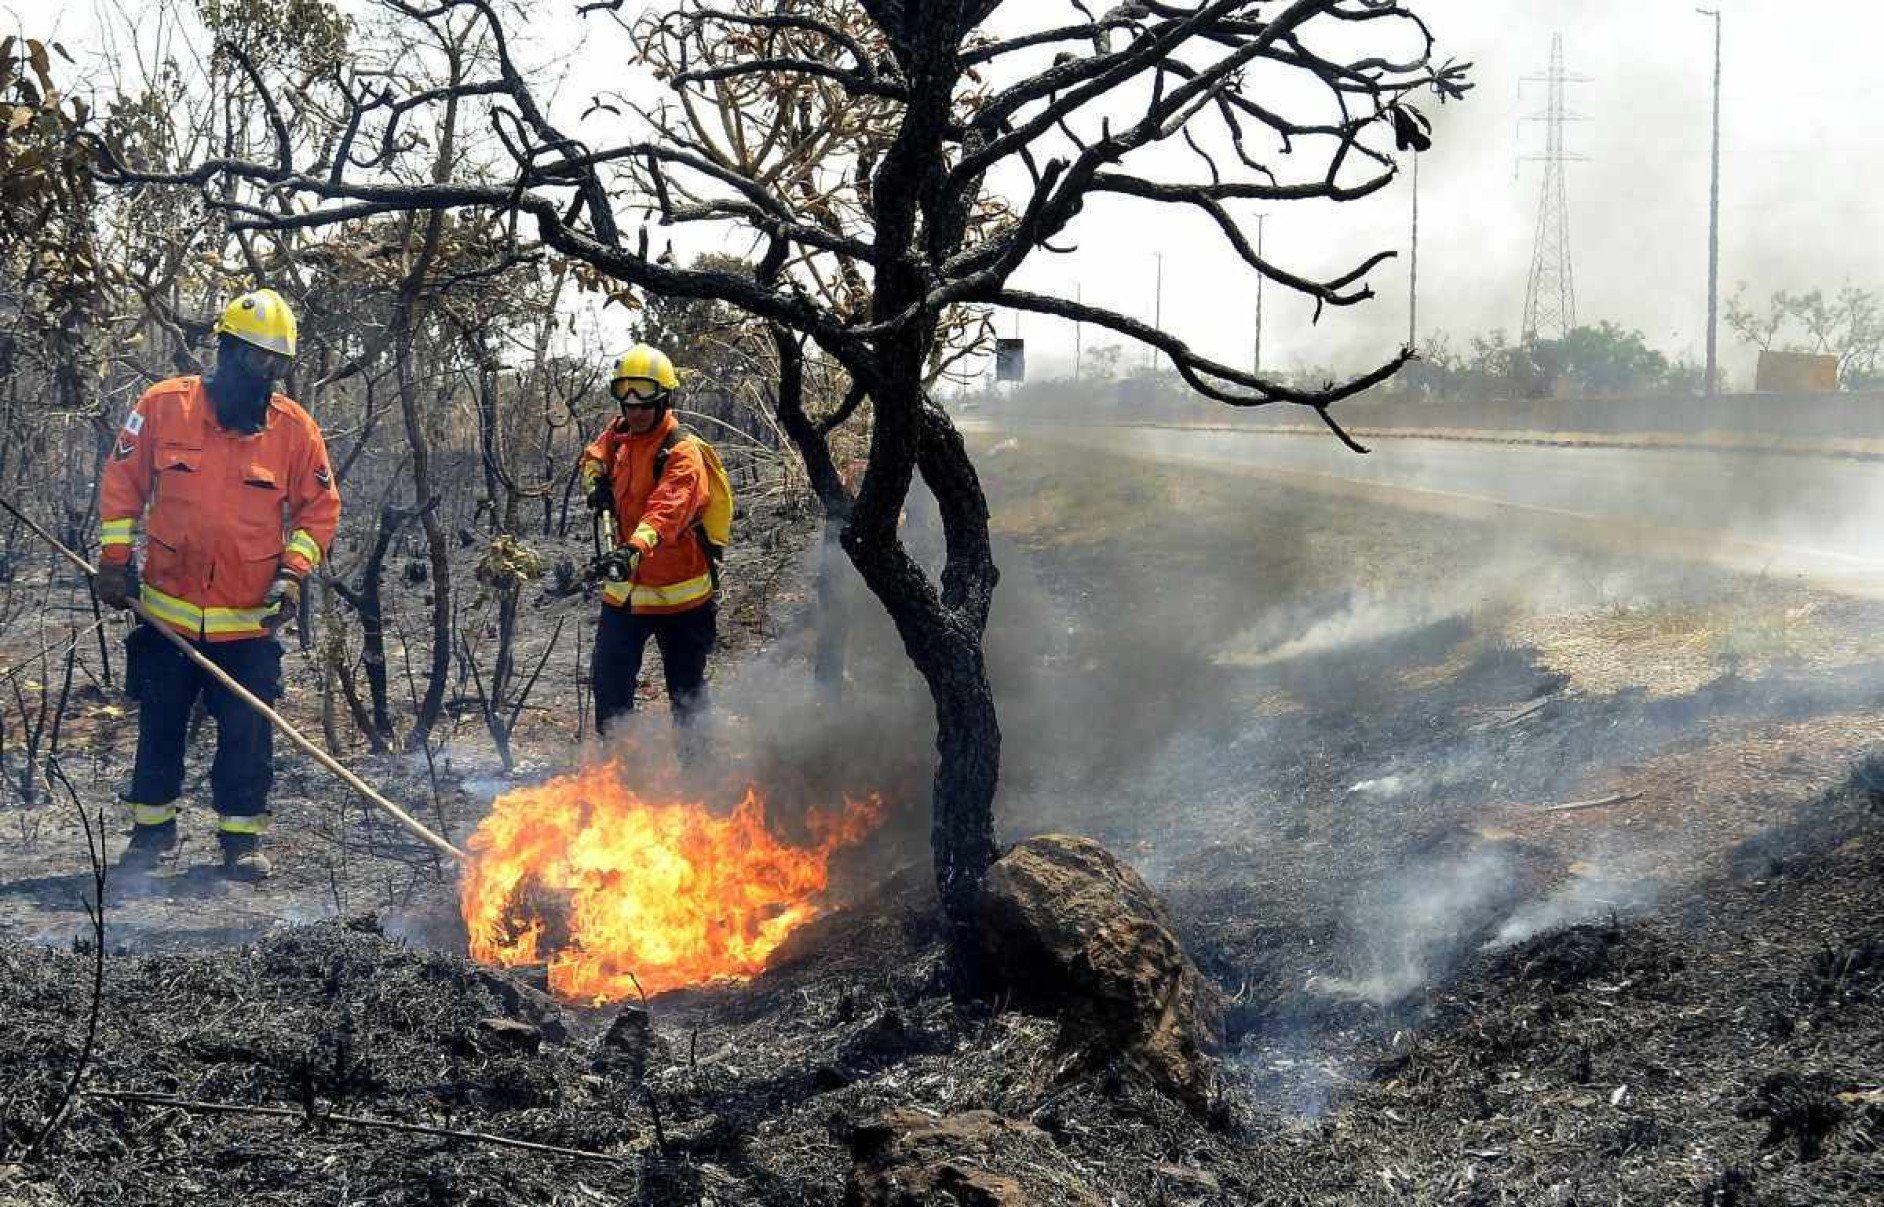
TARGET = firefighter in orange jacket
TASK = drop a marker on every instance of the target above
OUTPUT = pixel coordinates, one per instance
(661, 582)
(212, 465)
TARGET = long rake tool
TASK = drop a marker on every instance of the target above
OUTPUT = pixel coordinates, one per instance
(406, 821)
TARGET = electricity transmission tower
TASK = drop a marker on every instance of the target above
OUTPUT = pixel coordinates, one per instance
(1550, 300)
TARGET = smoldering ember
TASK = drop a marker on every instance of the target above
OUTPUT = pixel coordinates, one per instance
(940, 604)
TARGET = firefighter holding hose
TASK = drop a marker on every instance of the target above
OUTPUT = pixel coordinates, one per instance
(232, 484)
(664, 490)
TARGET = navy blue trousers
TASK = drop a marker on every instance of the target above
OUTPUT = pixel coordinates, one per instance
(684, 639)
(166, 686)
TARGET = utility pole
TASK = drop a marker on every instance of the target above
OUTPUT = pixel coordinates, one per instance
(1256, 356)
(1713, 223)
(1413, 265)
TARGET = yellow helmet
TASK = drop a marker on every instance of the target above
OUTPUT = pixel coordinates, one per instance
(261, 318)
(644, 372)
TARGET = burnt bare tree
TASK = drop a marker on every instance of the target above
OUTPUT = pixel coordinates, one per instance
(891, 131)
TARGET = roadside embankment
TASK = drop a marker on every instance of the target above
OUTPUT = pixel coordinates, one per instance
(1847, 426)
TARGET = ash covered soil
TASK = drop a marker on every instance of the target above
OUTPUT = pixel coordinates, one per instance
(1533, 875)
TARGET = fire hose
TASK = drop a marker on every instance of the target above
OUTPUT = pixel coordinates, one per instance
(406, 821)
(610, 564)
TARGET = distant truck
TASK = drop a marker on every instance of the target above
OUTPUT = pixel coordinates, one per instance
(1795, 373)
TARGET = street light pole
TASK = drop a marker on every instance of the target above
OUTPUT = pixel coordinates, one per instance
(1713, 223)
(1413, 265)
(1256, 356)
(1157, 306)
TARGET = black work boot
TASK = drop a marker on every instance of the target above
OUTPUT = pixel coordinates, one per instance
(148, 846)
(242, 857)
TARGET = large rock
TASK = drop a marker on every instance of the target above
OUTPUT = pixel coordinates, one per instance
(906, 1158)
(1074, 933)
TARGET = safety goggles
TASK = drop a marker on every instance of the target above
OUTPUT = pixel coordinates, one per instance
(643, 391)
(257, 362)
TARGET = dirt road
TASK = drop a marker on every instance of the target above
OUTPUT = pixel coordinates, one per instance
(1817, 517)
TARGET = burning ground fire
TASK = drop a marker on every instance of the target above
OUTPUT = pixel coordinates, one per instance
(606, 889)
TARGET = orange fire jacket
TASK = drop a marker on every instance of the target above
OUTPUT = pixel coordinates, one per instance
(226, 509)
(656, 517)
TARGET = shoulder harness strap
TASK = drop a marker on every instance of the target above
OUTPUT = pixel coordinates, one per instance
(714, 554)
(668, 443)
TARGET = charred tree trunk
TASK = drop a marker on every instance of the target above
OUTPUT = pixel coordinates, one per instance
(406, 326)
(438, 551)
(504, 669)
(921, 219)
(942, 634)
(496, 488)
(941, 630)
(368, 602)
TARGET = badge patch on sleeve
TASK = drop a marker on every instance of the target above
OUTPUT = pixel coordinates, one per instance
(125, 449)
(325, 479)
(134, 424)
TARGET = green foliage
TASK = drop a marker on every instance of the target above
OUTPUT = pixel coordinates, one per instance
(1604, 359)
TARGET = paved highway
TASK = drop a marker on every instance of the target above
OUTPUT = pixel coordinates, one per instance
(1817, 517)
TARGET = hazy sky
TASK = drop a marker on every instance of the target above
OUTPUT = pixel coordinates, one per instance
(1799, 207)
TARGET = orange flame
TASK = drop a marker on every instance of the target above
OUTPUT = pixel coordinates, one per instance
(583, 875)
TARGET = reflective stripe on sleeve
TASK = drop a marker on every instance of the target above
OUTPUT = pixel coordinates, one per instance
(116, 532)
(647, 537)
(304, 544)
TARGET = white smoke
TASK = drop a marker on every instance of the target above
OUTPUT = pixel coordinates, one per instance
(1410, 925)
(1587, 897)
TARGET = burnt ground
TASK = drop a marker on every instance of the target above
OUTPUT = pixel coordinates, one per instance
(1536, 875)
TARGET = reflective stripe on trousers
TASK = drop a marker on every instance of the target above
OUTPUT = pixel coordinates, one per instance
(153, 815)
(670, 596)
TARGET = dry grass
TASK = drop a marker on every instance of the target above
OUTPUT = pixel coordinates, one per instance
(1671, 648)
(1683, 811)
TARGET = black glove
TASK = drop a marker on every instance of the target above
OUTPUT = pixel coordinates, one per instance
(602, 495)
(282, 601)
(112, 585)
(620, 565)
